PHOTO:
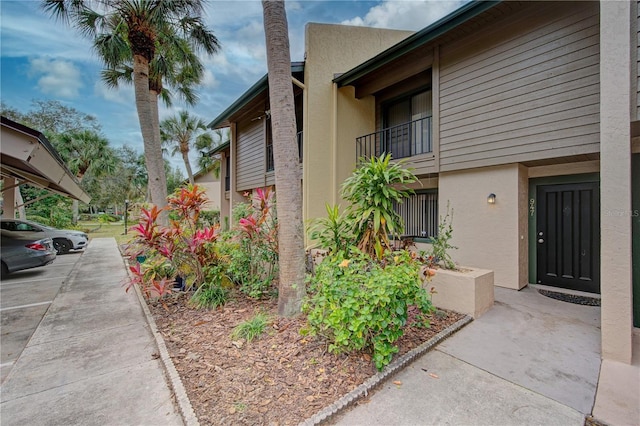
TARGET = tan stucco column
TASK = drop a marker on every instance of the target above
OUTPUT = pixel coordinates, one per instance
(615, 176)
(9, 198)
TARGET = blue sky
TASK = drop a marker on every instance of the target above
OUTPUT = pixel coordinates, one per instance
(44, 59)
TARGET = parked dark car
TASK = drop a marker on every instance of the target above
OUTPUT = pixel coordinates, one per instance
(18, 252)
(63, 239)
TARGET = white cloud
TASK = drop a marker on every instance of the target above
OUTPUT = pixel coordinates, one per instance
(122, 95)
(407, 15)
(209, 80)
(56, 77)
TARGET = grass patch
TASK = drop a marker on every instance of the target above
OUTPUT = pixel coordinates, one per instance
(252, 328)
(209, 296)
(107, 230)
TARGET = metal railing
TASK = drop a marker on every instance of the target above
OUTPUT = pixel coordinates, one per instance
(403, 140)
(419, 214)
(270, 162)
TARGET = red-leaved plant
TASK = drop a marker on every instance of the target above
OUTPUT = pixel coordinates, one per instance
(254, 250)
(181, 249)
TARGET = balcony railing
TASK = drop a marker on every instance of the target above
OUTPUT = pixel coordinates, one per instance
(271, 164)
(403, 140)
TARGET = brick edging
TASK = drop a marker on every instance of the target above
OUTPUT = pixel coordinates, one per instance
(182, 399)
(371, 383)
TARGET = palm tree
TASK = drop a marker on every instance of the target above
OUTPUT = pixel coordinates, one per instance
(207, 161)
(85, 150)
(134, 29)
(285, 156)
(180, 132)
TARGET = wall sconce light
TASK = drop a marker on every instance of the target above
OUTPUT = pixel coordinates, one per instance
(491, 199)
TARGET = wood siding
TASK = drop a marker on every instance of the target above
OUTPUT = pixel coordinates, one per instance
(524, 89)
(250, 157)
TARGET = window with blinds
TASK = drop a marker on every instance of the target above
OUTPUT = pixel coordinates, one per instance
(408, 125)
(419, 214)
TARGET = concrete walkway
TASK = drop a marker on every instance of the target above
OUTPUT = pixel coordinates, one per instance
(531, 360)
(92, 359)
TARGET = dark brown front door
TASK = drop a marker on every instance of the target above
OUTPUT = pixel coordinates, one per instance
(568, 236)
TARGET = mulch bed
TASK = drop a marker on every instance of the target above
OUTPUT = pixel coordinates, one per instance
(281, 378)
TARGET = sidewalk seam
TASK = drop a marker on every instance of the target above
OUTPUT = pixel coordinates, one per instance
(371, 383)
(182, 399)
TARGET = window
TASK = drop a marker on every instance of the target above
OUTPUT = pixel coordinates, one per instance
(408, 125)
(419, 214)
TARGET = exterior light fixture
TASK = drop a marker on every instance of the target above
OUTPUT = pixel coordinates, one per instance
(491, 199)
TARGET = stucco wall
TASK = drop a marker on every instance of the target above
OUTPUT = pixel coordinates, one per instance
(489, 236)
(211, 185)
(332, 49)
(615, 180)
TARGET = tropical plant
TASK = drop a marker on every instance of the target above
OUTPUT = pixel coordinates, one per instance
(206, 161)
(372, 190)
(251, 329)
(188, 249)
(253, 249)
(286, 159)
(84, 150)
(359, 303)
(182, 131)
(333, 233)
(132, 32)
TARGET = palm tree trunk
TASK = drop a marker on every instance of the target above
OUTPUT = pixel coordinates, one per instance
(187, 165)
(285, 155)
(150, 128)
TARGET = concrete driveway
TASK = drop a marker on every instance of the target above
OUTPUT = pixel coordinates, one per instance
(25, 296)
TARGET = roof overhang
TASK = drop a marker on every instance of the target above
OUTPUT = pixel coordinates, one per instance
(248, 98)
(220, 148)
(27, 156)
(415, 41)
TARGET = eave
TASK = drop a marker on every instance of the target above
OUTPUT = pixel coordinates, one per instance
(27, 155)
(415, 41)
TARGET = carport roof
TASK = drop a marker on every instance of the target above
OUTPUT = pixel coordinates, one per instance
(27, 155)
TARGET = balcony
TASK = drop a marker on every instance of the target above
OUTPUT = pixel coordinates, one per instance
(403, 140)
(270, 162)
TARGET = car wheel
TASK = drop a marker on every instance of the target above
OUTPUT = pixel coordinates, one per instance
(61, 246)
(5, 270)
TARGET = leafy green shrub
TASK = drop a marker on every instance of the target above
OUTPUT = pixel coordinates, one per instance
(108, 218)
(210, 217)
(356, 302)
(210, 296)
(372, 190)
(252, 328)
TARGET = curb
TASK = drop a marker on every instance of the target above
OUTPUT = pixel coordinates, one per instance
(175, 382)
(373, 382)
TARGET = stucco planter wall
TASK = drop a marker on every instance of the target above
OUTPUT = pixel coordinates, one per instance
(468, 291)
